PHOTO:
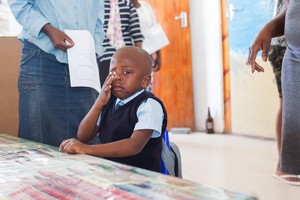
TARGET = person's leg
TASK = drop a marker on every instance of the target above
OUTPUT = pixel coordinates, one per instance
(50, 110)
(30, 78)
(276, 54)
(278, 135)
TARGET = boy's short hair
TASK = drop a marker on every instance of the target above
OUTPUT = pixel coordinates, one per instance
(144, 56)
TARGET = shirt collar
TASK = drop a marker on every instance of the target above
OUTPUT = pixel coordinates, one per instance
(129, 98)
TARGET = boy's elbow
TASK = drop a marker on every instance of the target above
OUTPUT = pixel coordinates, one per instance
(85, 135)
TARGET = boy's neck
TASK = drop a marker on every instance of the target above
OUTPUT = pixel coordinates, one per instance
(131, 96)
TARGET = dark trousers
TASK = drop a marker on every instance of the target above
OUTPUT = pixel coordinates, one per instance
(103, 70)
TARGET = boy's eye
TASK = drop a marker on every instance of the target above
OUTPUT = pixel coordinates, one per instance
(125, 72)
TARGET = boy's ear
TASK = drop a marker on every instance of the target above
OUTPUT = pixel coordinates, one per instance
(146, 81)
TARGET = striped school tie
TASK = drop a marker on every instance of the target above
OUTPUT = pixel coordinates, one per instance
(119, 105)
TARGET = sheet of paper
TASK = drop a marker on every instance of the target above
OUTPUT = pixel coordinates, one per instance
(155, 39)
(83, 67)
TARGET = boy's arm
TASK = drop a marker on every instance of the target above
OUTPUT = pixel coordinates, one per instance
(121, 148)
(125, 147)
(88, 126)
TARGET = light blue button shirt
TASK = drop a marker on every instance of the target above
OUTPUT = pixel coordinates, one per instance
(150, 115)
(61, 14)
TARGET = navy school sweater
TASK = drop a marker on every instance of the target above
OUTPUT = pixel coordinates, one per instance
(119, 124)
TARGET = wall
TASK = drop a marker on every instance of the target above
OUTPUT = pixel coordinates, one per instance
(254, 97)
(10, 50)
(207, 62)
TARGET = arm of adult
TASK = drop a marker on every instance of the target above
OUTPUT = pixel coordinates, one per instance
(99, 33)
(27, 16)
(34, 22)
(262, 41)
(138, 44)
(157, 61)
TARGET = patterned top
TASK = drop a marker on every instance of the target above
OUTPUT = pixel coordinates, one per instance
(130, 27)
(279, 7)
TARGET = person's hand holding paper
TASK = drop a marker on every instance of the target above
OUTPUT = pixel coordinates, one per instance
(82, 60)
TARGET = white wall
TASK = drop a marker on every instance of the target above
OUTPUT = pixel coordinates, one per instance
(254, 98)
(207, 62)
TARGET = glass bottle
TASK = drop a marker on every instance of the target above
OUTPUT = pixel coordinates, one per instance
(209, 123)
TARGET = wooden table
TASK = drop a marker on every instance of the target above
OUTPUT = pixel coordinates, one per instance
(30, 170)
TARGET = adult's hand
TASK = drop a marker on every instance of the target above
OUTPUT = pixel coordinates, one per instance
(261, 43)
(59, 39)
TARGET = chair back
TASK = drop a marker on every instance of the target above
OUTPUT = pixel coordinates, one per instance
(170, 157)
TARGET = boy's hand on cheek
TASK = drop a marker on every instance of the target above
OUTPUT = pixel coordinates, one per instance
(105, 93)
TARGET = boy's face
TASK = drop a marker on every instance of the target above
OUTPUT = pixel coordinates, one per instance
(129, 76)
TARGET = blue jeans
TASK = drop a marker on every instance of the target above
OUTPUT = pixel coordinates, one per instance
(49, 109)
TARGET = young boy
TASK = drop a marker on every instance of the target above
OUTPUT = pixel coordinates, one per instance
(131, 134)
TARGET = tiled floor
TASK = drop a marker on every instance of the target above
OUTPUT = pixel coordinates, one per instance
(235, 163)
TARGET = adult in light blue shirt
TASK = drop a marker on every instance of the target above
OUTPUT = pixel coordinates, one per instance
(62, 15)
(49, 109)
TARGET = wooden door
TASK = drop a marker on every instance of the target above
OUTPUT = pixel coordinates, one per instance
(173, 83)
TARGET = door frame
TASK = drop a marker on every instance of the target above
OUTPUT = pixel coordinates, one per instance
(226, 67)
